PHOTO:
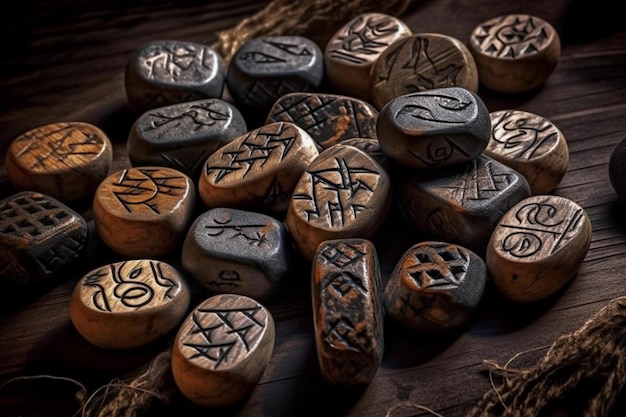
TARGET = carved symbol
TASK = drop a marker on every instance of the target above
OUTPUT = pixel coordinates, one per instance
(251, 232)
(290, 48)
(540, 227)
(480, 181)
(438, 151)
(254, 151)
(64, 144)
(419, 304)
(29, 217)
(216, 333)
(200, 115)
(424, 111)
(229, 281)
(342, 254)
(142, 186)
(441, 267)
(522, 136)
(339, 284)
(363, 37)
(335, 192)
(512, 38)
(433, 69)
(175, 61)
(132, 285)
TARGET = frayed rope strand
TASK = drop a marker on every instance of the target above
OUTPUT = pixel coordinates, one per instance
(118, 399)
(596, 350)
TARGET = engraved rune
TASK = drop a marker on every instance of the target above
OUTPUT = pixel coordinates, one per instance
(216, 333)
(512, 37)
(480, 181)
(254, 151)
(363, 37)
(342, 254)
(434, 70)
(335, 192)
(540, 228)
(28, 217)
(523, 137)
(200, 115)
(252, 232)
(440, 267)
(143, 186)
(339, 284)
(59, 145)
(175, 61)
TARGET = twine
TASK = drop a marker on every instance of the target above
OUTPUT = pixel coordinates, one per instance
(317, 20)
(595, 352)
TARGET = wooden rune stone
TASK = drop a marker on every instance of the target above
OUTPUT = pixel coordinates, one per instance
(129, 304)
(222, 349)
(39, 236)
(328, 118)
(537, 247)
(237, 251)
(344, 193)
(434, 129)
(144, 211)
(165, 72)
(65, 160)
(531, 145)
(420, 62)
(348, 313)
(515, 53)
(462, 206)
(435, 286)
(258, 170)
(183, 135)
(265, 68)
(352, 51)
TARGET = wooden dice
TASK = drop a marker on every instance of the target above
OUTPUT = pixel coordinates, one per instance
(258, 170)
(344, 193)
(537, 247)
(265, 68)
(183, 135)
(348, 313)
(353, 49)
(515, 53)
(164, 72)
(39, 236)
(435, 286)
(434, 129)
(328, 118)
(462, 206)
(531, 145)
(420, 62)
(129, 304)
(222, 349)
(144, 211)
(237, 251)
(65, 160)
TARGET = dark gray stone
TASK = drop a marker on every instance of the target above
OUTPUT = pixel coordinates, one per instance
(236, 251)
(266, 68)
(434, 129)
(182, 136)
(39, 236)
(164, 72)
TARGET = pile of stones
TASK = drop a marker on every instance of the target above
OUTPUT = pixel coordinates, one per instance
(380, 121)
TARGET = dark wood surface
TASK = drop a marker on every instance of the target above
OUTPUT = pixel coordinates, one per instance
(64, 61)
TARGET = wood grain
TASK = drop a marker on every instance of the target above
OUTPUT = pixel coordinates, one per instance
(64, 61)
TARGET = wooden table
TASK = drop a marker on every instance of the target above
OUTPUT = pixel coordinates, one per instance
(64, 61)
